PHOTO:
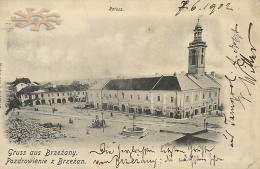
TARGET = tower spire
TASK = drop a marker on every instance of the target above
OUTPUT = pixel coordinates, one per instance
(198, 31)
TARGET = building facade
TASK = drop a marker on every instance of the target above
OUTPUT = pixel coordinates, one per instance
(46, 94)
(42, 97)
(177, 96)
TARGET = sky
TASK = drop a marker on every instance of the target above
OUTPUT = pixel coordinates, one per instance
(93, 42)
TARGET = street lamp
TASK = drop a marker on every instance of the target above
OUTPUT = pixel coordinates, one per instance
(102, 113)
(103, 122)
(133, 120)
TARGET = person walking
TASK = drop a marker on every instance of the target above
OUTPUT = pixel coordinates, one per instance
(87, 132)
(207, 126)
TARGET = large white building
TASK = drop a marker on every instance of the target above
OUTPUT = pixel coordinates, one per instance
(176, 96)
(41, 97)
(45, 94)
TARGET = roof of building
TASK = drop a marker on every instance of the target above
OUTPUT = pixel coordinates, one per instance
(176, 83)
(21, 80)
(168, 83)
(58, 88)
(204, 81)
(216, 78)
(186, 83)
(190, 139)
(28, 89)
(36, 83)
(99, 84)
(39, 91)
(132, 84)
(66, 88)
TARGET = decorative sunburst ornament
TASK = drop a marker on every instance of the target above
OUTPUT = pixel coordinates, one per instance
(36, 19)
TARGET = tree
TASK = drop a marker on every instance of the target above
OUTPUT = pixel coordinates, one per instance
(75, 83)
(13, 103)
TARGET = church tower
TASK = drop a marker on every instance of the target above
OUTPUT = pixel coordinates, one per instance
(197, 52)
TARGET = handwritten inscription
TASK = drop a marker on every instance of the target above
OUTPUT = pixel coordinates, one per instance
(119, 155)
(203, 5)
(242, 76)
(124, 156)
(190, 154)
(115, 9)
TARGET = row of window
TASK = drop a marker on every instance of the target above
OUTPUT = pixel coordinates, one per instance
(203, 96)
(131, 97)
(58, 94)
(196, 98)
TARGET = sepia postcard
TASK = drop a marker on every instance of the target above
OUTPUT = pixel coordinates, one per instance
(122, 84)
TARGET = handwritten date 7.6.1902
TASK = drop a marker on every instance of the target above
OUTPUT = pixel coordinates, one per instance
(203, 6)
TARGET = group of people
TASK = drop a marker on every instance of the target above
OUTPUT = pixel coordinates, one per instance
(59, 126)
(53, 109)
(98, 123)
